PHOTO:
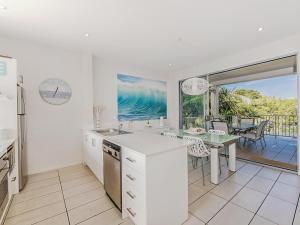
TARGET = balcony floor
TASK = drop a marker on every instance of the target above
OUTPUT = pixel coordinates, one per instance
(280, 152)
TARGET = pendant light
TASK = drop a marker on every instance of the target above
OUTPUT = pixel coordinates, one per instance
(195, 86)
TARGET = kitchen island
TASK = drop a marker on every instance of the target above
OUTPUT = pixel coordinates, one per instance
(154, 178)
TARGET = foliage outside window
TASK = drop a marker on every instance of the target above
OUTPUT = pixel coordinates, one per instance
(281, 112)
(192, 110)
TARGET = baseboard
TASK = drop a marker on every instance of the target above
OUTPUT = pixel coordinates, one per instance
(54, 168)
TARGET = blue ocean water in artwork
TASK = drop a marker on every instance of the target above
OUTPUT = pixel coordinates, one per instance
(141, 99)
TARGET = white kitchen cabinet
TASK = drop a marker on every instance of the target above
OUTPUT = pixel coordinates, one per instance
(92, 153)
(155, 187)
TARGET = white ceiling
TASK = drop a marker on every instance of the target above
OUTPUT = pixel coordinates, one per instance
(152, 33)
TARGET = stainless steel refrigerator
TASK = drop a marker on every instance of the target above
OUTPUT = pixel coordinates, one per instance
(21, 136)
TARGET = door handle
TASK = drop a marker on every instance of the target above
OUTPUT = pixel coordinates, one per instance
(131, 160)
(130, 177)
(131, 212)
(130, 195)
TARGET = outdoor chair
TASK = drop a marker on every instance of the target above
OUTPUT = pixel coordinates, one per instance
(256, 135)
(220, 125)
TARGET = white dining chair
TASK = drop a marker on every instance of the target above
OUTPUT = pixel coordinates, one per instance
(197, 149)
(220, 132)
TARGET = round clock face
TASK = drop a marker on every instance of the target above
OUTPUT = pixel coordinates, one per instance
(55, 91)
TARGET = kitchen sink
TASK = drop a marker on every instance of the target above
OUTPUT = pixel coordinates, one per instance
(111, 132)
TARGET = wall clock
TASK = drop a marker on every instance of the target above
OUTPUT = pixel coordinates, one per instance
(55, 91)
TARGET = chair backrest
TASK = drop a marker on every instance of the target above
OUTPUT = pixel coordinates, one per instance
(219, 132)
(195, 146)
(247, 121)
(208, 125)
(169, 134)
(260, 128)
(265, 125)
(220, 125)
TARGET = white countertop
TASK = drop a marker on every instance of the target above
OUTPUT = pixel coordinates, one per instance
(146, 143)
(4, 144)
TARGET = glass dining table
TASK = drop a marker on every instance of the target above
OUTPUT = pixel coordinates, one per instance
(215, 141)
(242, 127)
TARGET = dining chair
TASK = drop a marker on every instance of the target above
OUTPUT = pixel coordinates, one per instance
(208, 119)
(197, 149)
(256, 135)
(221, 132)
(220, 125)
(234, 120)
(170, 134)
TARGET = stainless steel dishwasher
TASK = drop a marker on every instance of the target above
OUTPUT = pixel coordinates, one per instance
(112, 172)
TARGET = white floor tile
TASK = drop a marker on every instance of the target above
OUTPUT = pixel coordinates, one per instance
(193, 221)
(75, 175)
(207, 206)
(23, 207)
(84, 198)
(41, 184)
(207, 186)
(249, 199)
(258, 220)
(250, 168)
(42, 176)
(239, 164)
(82, 188)
(72, 169)
(61, 219)
(285, 192)
(109, 217)
(297, 216)
(289, 178)
(127, 222)
(261, 184)
(28, 195)
(195, 192)
(277, 211)
(89, 210)
(37, 215)
(232, 214)
(227, 189)
(240, 178)
(78, 181)
(269, 173)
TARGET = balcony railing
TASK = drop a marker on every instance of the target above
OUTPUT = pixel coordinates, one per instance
(279, 125)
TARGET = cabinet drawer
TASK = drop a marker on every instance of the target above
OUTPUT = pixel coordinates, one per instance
(133, 181)
(134, 160)
(135, 211)
(134, 197)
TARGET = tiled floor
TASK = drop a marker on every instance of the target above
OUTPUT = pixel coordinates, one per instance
(70, 195)
(253, 195)
(280, 151)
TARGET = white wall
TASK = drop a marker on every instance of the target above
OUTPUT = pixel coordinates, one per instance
(287, 46)
(54, 132)
(105, 89)
(8, 88)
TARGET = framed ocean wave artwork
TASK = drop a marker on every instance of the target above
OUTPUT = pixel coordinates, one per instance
(140, 98)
